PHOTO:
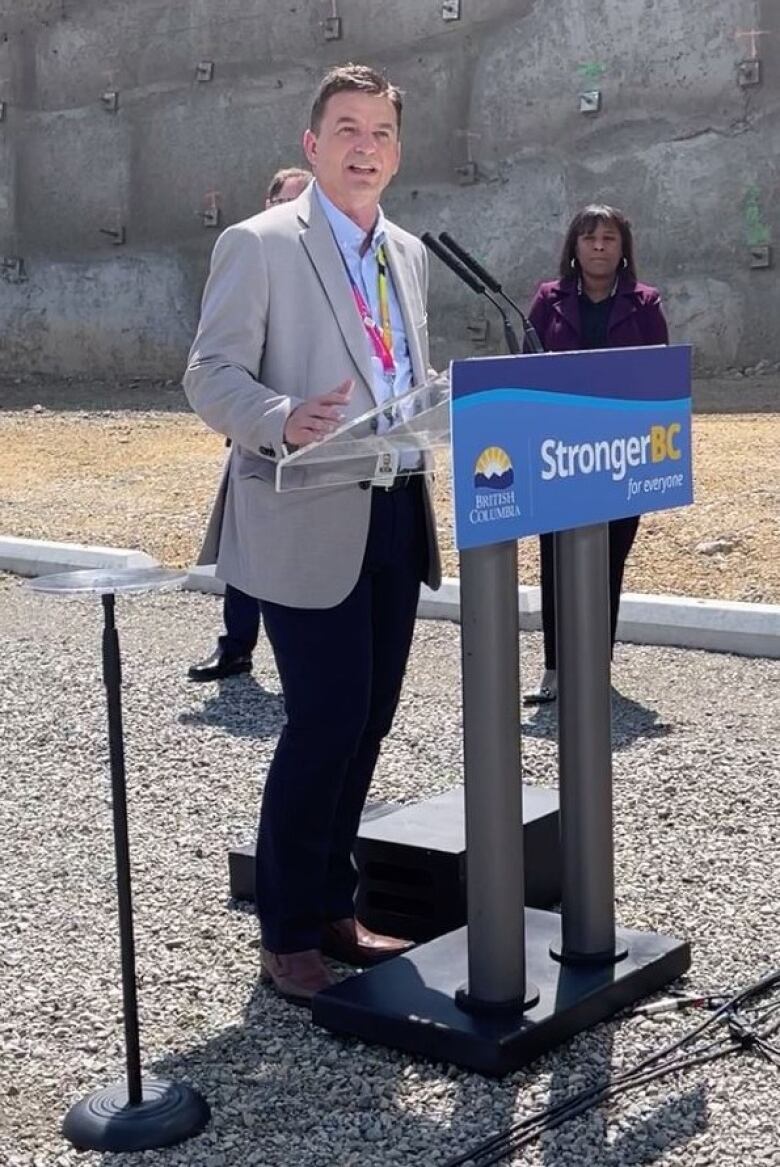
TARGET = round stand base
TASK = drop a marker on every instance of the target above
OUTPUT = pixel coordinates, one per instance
(471, 1004)
(169, 1113)
(586, 959)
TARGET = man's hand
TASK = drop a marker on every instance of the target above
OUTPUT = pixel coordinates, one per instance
(315, 419)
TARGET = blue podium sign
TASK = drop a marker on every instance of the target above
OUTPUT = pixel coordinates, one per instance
(549, 441)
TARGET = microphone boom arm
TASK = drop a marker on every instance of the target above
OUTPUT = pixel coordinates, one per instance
(476, 285)
(467, 260)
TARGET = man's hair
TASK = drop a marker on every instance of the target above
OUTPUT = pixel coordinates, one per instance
(586, 221)
(356, 79)
(281, 177)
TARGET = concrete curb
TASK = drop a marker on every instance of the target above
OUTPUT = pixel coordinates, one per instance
(681, 621)
(714, 625)
(203, 579)
(32, 557)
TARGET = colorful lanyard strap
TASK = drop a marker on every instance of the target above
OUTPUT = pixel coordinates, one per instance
(381, 341)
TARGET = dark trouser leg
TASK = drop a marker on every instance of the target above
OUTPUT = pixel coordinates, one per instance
(622, 533)
(547, 575)
(328, 663)
(242, 622)
(394, 597)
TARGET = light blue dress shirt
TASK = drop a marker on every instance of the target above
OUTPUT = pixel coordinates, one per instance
(365, 272)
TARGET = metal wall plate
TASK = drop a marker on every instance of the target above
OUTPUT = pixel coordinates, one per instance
(590, 101)
(12, 269)
(333, 28)
(117, 234)
(2, 111)
(467, 173)
(212, 216)
(450, 10)
(110, 101)
(749, 72)
(761, 256)
(204, 71)
(478, 330)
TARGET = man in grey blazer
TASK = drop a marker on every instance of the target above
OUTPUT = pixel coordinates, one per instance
(315, 312)
(241, 613)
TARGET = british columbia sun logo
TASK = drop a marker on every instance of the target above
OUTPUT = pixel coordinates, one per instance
(493, 470)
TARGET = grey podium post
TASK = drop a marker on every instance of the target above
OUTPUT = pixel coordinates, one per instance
(583, 655)
(493, 791)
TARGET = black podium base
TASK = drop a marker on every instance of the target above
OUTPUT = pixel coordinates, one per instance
(409, 1002)
(169, 1113)
(411, 862)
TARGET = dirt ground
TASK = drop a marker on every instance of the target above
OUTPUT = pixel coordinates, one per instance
(129, 465)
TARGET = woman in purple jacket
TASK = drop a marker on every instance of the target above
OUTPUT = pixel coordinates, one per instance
(597, 303)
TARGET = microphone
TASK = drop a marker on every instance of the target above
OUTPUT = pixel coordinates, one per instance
(530, 333)
(463, 273)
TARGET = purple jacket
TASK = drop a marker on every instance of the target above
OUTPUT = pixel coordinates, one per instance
(636, 317)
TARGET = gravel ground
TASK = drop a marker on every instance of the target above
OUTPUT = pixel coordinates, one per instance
(697, 824)
(129, 466)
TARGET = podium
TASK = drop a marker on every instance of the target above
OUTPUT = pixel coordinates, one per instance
(550, 442)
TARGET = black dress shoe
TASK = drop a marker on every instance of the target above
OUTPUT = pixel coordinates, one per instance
(220, 664)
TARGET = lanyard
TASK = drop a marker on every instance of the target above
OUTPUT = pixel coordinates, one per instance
(381, 341)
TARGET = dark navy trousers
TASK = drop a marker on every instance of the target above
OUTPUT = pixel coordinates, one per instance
(242, 622)
(622, 533)
(341, 671)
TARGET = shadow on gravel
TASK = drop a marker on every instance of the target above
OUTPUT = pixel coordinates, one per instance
(65, 395)
(240, 706)
(630, 721)
(283, 1093)
(641, 1137)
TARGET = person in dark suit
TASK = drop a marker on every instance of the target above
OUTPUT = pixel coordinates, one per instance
(241, 612)
(597, 302)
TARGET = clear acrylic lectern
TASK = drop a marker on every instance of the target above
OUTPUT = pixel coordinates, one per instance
(391, 438)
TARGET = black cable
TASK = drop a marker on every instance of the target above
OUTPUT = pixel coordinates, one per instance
(515, 1142)
(528, 1129)
(742, 1034)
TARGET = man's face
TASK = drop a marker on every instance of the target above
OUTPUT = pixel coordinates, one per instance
(290, 189)
(356, 150)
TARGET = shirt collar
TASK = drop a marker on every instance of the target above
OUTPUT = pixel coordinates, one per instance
(348, 235)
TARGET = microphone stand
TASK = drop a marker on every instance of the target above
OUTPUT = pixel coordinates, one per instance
(489, 281)
(476, 285)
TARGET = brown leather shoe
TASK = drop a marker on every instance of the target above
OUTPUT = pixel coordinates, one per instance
(295, 975)
(351, 942)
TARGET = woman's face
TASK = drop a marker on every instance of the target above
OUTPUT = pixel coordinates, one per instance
(600, 251)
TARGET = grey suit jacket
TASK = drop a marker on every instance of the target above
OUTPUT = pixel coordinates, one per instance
(278, 325)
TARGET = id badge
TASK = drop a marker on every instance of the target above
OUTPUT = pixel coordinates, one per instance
(386, 468)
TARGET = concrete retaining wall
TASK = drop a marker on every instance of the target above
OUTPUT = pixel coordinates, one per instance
(688, 152)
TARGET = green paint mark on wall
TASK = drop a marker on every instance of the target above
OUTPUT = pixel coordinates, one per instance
(757, 232)
(592, 71)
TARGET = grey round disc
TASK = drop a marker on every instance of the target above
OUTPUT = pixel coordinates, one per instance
(102, 581)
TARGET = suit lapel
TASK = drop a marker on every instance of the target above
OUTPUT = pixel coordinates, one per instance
(322, 250)
(625, 302)
(567, 306)
(397, 262)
